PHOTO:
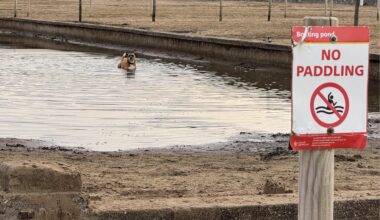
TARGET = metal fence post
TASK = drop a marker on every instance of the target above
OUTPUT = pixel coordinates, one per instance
(378, 9)
(269, 9)
(28, 14)
(356, 16)
(90, 8)
(221, 10)
(153, 10)
(15, 8)
(80, 10)
(286, 8)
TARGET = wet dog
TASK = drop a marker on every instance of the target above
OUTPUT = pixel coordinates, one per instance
(128, 62)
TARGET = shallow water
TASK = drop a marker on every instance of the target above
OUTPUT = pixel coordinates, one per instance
(82, 100)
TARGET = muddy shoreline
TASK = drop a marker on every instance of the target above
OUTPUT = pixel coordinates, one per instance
(243, 142)
(243, 172)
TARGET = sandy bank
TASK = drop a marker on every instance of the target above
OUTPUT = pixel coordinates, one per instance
(238, 173)
(241, 177)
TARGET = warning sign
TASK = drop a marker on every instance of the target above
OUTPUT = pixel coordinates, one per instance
(329, 87)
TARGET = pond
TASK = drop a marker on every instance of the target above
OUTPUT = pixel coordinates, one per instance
(80, 99)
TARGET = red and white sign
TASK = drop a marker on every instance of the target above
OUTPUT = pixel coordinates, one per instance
(329, 87)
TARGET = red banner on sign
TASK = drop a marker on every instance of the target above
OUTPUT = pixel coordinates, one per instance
(323, 141)
(324, 34)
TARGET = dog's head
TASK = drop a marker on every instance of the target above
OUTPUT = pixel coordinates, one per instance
(131, 57)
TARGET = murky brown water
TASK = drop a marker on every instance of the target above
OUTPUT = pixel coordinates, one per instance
(82, 99)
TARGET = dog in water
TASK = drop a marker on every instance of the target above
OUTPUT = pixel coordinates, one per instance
(128, 62)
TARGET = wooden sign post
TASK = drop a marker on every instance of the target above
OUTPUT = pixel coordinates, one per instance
(329, 105)
(316, 178)
(316, 185)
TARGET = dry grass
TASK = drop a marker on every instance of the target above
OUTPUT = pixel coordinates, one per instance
(242, 19)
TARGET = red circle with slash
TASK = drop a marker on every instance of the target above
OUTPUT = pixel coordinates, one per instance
(318, 93)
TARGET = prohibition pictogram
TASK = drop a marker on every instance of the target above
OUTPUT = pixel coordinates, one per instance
(337, 111)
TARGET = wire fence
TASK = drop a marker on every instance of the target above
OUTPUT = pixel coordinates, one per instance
(245, 19)
(140, 9)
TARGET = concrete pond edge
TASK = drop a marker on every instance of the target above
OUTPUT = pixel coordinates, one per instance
(214, 48)
(343, 210)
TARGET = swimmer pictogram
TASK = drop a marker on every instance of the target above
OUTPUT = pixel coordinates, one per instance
(326, 110)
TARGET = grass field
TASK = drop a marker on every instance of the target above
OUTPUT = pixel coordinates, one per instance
(241, 19)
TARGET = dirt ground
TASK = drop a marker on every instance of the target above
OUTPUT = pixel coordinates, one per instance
(241, 172)
(241, 19)
(224, 174)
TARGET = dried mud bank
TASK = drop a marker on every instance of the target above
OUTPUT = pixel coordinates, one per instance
(212, 48)
(252, 176)
(235, 180)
